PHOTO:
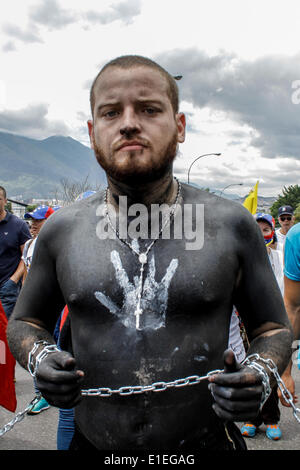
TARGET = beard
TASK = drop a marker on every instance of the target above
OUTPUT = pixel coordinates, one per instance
(136, 172)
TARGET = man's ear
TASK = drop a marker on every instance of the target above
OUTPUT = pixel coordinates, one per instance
(90, 125)
(181, 125)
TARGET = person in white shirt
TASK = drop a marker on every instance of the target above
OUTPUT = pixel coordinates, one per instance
(270, 413)
(38, 217)
(286, 220)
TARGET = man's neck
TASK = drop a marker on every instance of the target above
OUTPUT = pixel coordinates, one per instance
(2, 215)
(161, 191)
(282, 231)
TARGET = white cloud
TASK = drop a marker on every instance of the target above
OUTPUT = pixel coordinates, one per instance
(32, 122)
(238, 61)
(124, 11)
(27, 35)
(51, 14)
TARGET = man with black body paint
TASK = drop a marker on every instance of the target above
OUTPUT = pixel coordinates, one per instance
(135, 131)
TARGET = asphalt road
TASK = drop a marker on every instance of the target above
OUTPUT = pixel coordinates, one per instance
(39, 432)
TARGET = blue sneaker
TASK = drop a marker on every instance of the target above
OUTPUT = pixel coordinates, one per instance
(273, 432)
(40, 406)
(248, 430)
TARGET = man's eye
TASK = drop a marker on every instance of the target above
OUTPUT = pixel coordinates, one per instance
(150, 110)
(110, 114)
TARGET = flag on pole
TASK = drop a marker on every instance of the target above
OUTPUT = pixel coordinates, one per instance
(7, 368)
(251, 200)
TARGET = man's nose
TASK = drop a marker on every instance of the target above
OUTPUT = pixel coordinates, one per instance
(130, 124)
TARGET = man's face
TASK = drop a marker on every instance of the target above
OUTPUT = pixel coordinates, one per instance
(134, 132)
(286, 221)
(3, 201)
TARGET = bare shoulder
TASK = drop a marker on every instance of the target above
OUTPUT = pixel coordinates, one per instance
(56, 229)
(219, 211)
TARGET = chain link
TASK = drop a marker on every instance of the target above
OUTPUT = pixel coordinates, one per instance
(19, 417)
(267, 390)
(155, 387)
(48, 348)
(106, 392)
(287, 396)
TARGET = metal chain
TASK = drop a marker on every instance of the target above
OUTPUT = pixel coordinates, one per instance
(19, 417)
(48, 348)
(267, 390)
(287, 396)
(155, 387)
(162, 386)
(123, 391)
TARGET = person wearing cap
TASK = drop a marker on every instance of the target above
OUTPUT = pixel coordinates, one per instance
(267, 225)
(14, 232)
(38, 217)
(286, 220)
(270, 413)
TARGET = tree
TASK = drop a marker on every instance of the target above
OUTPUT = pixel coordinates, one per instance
(31, 207)
(290, 197)
(8, 206)
(70, 189)
(297, 214)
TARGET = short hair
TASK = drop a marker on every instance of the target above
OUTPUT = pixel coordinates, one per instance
(131, 61)
(3, 190)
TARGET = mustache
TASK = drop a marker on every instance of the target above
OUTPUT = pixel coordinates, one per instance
(126, 141)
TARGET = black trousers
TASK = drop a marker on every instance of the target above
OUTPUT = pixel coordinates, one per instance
(270, 413)
(226, 437)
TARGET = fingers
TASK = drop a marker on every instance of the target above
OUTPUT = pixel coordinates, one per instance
(236, 404)
(59, 368)
(245, 378)
(59, 381)
(283, 400)
(234, 373)
(246, 415)
(230, 362)
(236, 395)
(237, 391)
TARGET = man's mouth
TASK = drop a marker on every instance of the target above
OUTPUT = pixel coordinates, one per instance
(131, 145)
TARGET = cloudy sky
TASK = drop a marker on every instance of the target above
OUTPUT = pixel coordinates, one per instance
(240, 62)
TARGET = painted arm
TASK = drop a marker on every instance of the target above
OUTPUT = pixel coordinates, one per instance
(238, 391)
(37, 309)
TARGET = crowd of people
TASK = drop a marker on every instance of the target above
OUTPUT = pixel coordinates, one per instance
(109, 336)
(275, 242)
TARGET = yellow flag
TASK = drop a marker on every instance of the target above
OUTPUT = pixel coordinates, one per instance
(251, 200)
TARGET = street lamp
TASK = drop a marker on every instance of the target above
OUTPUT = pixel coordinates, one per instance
(234, 184)
(204, 155)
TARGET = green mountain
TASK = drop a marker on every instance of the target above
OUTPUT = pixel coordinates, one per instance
(34, 168)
